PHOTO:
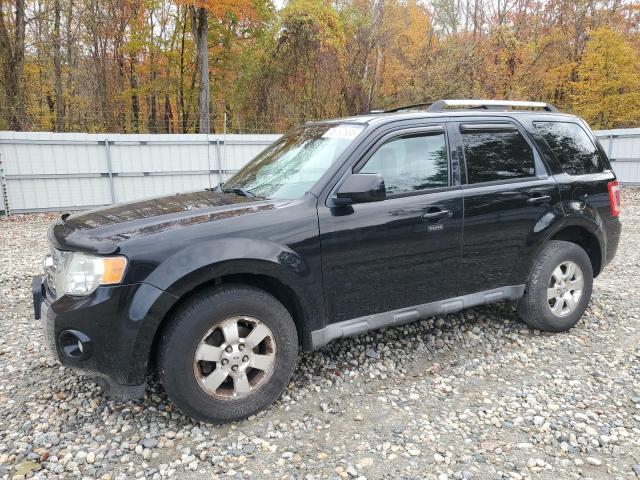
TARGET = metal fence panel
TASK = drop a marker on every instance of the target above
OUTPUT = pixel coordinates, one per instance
(32, 153)
(137, 187)
(623, 148)
(33, 194)
(58, 171)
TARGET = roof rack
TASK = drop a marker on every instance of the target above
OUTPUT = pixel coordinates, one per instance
(440, 105)
(407, 108)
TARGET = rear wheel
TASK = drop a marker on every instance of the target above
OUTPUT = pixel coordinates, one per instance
(559, 287)
(228, 353)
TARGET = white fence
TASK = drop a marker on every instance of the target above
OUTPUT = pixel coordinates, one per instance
(623, 149)
(59, 171)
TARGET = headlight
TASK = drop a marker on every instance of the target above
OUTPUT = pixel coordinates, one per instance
(81, 274)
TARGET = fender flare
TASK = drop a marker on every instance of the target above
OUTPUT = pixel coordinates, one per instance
(590, 225)
(204, 262)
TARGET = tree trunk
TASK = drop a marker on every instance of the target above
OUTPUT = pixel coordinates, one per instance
(153, 115)
(200, 30)
(184, 114)
(71, 61)
(57, 67)
(133, 77)
(98, 55)
(13, 58)
(374, 79)
(119, 41)
(153, 75)
(153, 110)
(135, 103)
(168, 114)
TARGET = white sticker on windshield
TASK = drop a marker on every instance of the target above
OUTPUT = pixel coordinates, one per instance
(343, 131)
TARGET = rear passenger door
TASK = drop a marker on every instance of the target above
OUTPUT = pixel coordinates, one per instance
(508, 199)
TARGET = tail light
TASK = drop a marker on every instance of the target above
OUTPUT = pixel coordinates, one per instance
(614, 198)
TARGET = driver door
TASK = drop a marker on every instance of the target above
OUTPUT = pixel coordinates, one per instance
(403, 251)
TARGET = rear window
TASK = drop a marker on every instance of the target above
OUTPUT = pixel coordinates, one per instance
(573, 148)
(496, 154)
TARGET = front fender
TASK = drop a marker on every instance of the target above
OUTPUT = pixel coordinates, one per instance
(203, 262)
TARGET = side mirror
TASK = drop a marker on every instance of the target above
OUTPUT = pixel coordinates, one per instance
(361, 188)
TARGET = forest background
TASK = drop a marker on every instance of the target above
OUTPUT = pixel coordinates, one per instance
(255, 66)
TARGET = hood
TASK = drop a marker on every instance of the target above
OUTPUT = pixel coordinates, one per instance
(101, 230)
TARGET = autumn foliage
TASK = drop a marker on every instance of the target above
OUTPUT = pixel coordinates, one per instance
(133, 65)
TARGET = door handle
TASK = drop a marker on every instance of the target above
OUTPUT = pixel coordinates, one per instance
(539, 199)
(436, 215)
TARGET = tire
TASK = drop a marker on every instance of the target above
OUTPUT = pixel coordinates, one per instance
(535, 308)
(204, 316)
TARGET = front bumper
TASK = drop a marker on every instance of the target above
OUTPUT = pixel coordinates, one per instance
(108, 333)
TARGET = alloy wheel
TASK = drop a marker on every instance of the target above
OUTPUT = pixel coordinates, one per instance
(565, 288)
(235, 358)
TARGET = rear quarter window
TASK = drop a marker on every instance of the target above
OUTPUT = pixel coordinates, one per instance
(574, 150)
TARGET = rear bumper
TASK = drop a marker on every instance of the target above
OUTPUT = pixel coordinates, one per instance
(108, 334)
(613, 230)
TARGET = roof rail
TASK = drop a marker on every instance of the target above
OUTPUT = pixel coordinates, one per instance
(415, 106)
(440, 105)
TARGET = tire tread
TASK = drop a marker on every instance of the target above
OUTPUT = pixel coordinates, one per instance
(529, 307)
(181, 320)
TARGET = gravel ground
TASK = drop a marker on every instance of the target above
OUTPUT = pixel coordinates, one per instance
(471, 395)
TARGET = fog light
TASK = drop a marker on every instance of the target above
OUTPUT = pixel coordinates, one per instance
(75, 345)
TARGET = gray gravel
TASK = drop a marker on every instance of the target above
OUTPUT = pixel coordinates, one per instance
(471, 395)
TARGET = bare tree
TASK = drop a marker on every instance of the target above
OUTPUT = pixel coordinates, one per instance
(200, 31)
(153, 75)
(57, 67)
(12, 49)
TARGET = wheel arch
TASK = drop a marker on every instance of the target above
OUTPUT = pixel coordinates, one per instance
(586, 239)
(292, 300)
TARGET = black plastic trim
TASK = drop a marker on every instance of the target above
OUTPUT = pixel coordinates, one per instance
(401, 316)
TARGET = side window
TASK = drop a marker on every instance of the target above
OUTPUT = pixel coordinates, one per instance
(411, 163)
(496, 154)
(572, 147)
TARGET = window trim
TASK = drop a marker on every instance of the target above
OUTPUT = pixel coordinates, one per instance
(487, 126)
(561, 168)
(491, 183)
(435, 129)
(540, 170)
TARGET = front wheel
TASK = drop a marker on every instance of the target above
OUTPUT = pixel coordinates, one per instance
(228, 353)
(559, 287)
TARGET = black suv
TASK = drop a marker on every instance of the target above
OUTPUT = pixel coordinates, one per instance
(338, 228)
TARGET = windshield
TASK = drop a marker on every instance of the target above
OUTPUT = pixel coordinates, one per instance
(290, 166)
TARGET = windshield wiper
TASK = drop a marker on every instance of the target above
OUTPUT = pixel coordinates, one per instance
(238, 191)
